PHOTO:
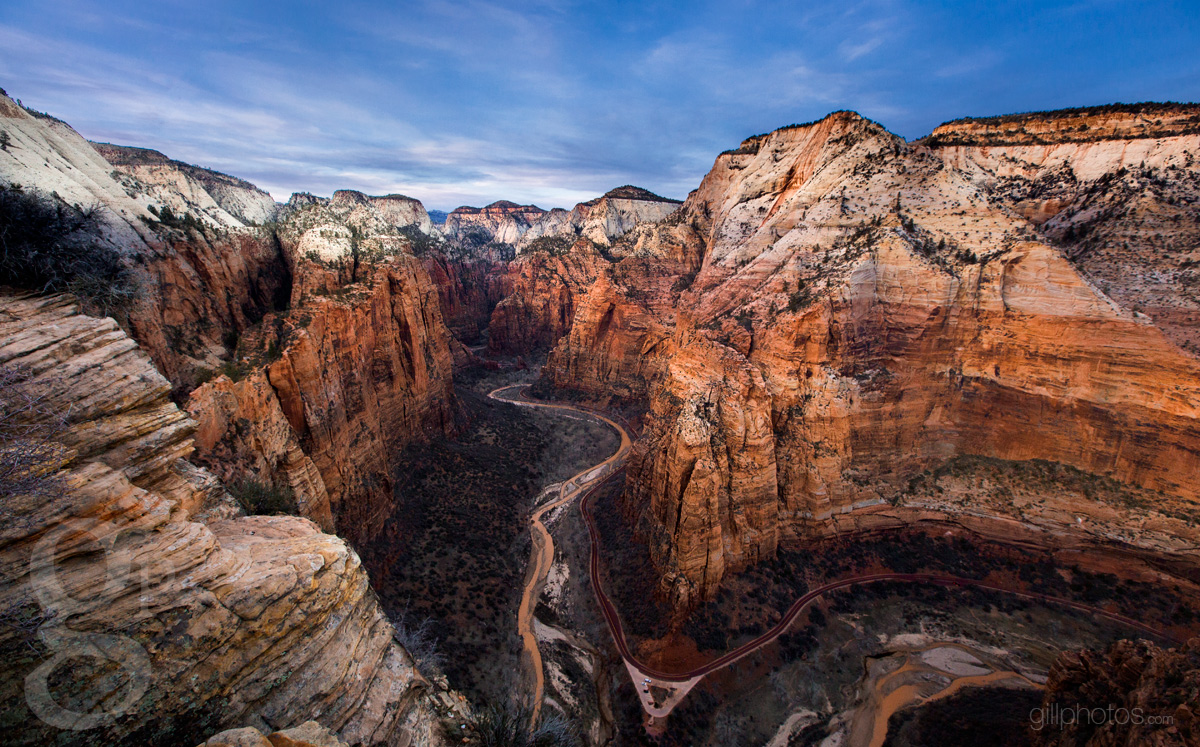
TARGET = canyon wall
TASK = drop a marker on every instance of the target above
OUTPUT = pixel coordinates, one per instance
(539, 291)
(501, 222)
(332, 390)
(469, 286)
(141, 608)
(222, 200)
(602, 219)
(337, 366)
(865, 312)
(199, 285)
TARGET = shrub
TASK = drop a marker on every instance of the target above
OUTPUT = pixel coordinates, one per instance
(419, 242)
(509, 726)
(29, 457)
(418, 640)
(555, 246)
(234, 370)
(800, 298)
(684, 281)
(186, 222)
(51, 247)
(260, 498)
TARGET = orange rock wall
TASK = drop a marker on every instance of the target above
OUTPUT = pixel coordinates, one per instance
(864, 313)
(357, 379)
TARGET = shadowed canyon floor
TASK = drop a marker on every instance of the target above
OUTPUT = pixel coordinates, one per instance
(1099, 597)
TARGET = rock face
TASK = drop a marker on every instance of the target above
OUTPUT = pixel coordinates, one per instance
(351, 362)
(243, 431)
(133, 623)
(1135, 693)
(502, 222)
(198, 288)
(308, 734)
(603, 219)
(402, 211)
(866, 310)
(223, 200)
(329, 229)
(539, 291)
(362, 369)
(469, 287)
(1116, 189)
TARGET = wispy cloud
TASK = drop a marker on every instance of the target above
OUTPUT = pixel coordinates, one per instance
(553, 101)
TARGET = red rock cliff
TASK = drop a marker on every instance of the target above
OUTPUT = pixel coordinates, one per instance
(362, 370)
(867, 310)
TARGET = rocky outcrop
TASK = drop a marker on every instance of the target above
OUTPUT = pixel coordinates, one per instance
(200, 286)
(128, 621)
(308, 734)
(402, 211)
(353, 359)
(1115, 188)
(351, 223)
(200, 292)
(867, 310)
(1135, 693)
(603, 219)
(223, 200)
(244, 434)
(360, 370)
(1116, 122)
(502, 222)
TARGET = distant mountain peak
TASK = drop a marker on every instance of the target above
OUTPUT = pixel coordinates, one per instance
(630, 192)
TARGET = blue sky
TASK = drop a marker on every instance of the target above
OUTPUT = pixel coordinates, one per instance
(552, 102)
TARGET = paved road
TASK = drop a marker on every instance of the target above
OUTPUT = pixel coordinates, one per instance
(672, 686)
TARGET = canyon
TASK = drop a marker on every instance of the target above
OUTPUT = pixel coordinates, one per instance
(866, 311)
(991, 332)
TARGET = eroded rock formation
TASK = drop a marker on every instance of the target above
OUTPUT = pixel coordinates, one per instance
(539, 291)
(224, 200)
(200, 284)
(501, 222)
(865, 310)
(603, 219)
(360, 370)
(1135, 693)
(130, 621)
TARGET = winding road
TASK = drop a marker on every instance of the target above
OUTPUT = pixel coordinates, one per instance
(542, 551)
(675, 685)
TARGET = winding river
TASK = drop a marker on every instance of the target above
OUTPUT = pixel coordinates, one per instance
(661, 691)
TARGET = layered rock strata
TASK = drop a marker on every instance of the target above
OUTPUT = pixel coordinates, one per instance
(132, 623)
(502, 222)
(223, 200)
(603, 219)
(866, 310)
(199, 286)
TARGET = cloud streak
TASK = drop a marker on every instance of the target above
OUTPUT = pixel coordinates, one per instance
(553, 102)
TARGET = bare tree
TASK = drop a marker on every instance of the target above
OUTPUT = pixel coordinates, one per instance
(29, 454)
(417, 637)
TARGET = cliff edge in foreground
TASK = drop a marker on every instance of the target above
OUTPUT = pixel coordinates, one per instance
(128, 621)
